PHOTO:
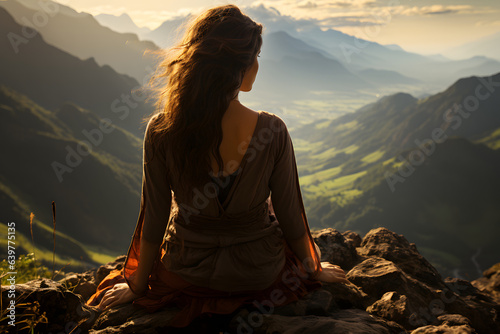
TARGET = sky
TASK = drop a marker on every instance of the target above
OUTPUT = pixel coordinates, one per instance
(423, 26)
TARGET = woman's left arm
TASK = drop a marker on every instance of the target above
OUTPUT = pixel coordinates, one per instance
(156, 201)
(154, 215)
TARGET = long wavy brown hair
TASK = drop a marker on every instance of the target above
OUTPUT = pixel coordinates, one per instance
(202, 74)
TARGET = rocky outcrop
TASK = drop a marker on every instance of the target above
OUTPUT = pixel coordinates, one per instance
(490, 282)
(393, 289)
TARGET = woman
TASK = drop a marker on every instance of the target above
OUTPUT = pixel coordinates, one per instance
(224, 178)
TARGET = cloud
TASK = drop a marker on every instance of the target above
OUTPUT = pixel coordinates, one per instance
(347, 21)
(274, 20)
(307, 5)
(323, 4)
(309, 14)
(436, 10)
(347, 14)
(488, 23)
(351, 4)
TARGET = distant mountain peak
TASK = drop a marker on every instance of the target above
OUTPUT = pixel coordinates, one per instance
(394, 47)
(465, 85)
(399, 99)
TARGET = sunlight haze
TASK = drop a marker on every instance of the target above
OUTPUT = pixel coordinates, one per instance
(426, 27)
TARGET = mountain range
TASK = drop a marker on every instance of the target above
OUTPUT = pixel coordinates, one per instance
(423, 167)
(123, 24)
(329, 71)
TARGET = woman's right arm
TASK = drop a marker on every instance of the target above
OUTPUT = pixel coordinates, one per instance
(287, 200)
(287, 203)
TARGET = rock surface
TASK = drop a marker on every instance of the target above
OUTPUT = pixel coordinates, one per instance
(490, 282)
(393, 289)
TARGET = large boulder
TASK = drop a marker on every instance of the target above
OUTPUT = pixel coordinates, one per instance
(395, 248)
(403, 287)
(337, 248)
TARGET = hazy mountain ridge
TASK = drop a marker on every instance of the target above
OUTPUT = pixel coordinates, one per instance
(330, 72)
(487, 46)
(81, 35)
(122, 23)
(288, 59)
(52, 77)
(385, 77)
(359, 54)
(327, 72)
(356, 54)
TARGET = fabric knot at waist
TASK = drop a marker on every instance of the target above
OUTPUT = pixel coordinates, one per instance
(225, 221)
(202, 231)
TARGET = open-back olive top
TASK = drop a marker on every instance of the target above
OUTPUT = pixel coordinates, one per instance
(233, 245)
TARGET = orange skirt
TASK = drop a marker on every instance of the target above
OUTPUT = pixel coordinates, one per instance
(169, 289)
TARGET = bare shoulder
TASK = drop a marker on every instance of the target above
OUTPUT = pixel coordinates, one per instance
(265, 114)
(248, 112)
(274, 122)
(248, 118)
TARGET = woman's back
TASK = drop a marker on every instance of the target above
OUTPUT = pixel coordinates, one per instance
(250, 153)
(231, 246)
(238, 125)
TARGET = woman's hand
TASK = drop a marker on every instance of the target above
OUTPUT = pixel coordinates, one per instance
(119, 294)
(332, 274)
